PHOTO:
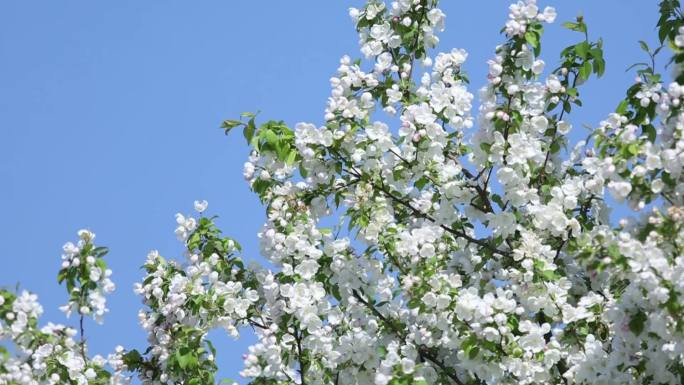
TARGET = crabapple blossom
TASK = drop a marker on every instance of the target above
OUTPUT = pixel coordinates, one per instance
(442, 246)
(50, 354)
(86, 276)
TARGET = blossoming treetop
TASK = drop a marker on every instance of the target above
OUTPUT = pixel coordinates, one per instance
(467, 250)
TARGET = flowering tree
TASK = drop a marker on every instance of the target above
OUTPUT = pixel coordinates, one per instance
(460, 253)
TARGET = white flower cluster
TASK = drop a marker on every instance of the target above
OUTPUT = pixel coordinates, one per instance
(428, 300)
(185, 301)
(636, 166)
(644, 314)
(86, 276)
(417, 251)
(380, 26)
(50, 355)
(521, 13)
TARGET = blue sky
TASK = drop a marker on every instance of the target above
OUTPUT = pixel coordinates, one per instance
(109, 115)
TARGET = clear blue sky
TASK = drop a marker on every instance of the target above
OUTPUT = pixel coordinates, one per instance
(109, 115)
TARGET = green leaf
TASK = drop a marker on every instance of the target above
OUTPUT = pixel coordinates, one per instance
(582, 49)
(644, 46)
(550, 275)
(532, 39)
(414, 303)
(596, 53)
(635, 65)
(132, 359)
(336, 293)
(420, 183)
(658, 50)
(649, 131)
(578, 27)
(513, 322)
(662, 34)
(633, 149)
(101, 264)
(585, 70)
(614, 251)
(570, 25)
(61, 276)
(302, 171)
(100, 251)
(555, 147)
(382, 351)
(599, 67)
(229, 124)
(473, 352)
(4, 353)
(267, 135)
(211, 347)
(622, 107)
(187, 360)
(249, 130)
(636, 324)
(291, 157)
(497, 199)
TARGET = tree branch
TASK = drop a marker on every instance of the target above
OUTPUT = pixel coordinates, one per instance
(423, 352)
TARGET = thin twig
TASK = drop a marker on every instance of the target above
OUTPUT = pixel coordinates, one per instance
(82, 343)
(423, 352)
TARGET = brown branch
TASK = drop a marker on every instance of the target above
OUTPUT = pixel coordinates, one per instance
(423, 352)
(387, 193)
(480, 191)
(302, 364)
(455, 232)
(82, 342)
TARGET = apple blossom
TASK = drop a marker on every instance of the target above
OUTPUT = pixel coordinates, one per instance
(419, 251)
